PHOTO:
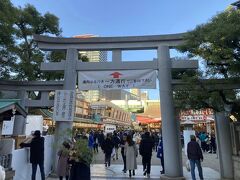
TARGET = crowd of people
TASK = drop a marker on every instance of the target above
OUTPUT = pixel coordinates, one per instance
(207, 142)
(129, 143)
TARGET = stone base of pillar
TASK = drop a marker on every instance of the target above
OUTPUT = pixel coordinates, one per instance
(164, 177)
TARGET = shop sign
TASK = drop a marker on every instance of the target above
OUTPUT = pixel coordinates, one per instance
(64, 105)
(127, 79)
(196, 118)
(192, 112)
(98, 106)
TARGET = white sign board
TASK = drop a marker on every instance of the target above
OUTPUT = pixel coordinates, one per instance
(64, 105)
(109, 128)
(33, 123)
(127, 79)
(7, 127)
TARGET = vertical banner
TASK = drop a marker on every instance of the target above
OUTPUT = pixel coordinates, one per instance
(64, 105)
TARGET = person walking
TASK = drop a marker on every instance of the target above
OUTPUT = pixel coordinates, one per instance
(212, 144)
(36, 153)
(95, 146)
(116, 141)
(160, 154)
(63, 166)
(131, 154)
(203, 139)
(101, 139)
(107, 149)
(145, 149)
(123, 146)
(156, 140)
(91, 141)
(195, 156)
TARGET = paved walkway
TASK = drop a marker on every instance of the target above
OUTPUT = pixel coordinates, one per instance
(210, 160)
(99, 171)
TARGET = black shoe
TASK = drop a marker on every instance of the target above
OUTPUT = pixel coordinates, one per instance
(105, 164)
(162, 172)
(130, 173)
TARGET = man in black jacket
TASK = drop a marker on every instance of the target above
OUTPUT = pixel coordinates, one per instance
(36, 153)
(145, 150)
(107, 149)
(195, 156)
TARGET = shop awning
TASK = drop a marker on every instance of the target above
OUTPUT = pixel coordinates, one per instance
(8, 105)
(147, 120)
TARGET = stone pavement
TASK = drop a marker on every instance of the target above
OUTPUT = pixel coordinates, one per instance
(210, 160)
(99, 171)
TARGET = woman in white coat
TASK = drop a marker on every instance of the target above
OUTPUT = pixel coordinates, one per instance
(131, 154)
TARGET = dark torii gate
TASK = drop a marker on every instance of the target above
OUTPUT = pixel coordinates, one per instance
(163, 64)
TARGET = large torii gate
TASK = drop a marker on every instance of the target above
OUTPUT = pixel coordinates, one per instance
(163, 64)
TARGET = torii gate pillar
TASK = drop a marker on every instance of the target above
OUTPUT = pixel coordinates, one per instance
(70, 78)
(170, 128)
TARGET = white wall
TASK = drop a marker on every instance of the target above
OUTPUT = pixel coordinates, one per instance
(21, 161)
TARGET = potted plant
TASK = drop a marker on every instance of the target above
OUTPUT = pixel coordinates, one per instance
(81, 157)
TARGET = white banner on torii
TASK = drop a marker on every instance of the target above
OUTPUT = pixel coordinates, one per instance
(126, 79)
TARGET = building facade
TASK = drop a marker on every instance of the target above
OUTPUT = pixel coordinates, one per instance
(111, 114)
(93, 56)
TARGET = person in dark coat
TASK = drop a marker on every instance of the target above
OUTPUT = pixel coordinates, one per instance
(36, 154)
(156, 140)
(80, 171)
(101, 139)
(212, 144)
(195, 156)
(160, 154)
(95, 144)
(107, 149)
(145, 150)
(116, 141)
(122, 145)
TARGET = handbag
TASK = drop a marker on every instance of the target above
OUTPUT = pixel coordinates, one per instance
(188, 165)
(113, 153)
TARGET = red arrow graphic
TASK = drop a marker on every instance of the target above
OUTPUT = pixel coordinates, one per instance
(116, 75)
